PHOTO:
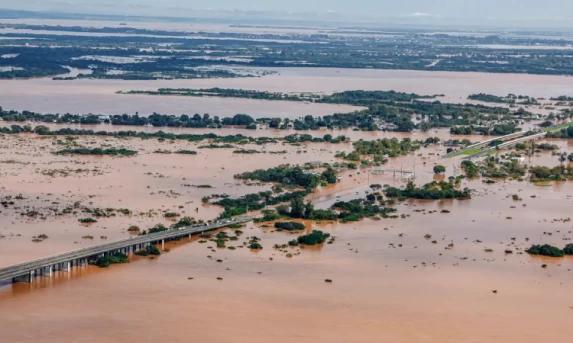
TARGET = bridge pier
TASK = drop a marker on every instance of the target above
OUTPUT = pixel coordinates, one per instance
(29, 277)
(45, 271)
(28, 271)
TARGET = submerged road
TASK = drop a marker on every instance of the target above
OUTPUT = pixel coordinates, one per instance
(26, 271)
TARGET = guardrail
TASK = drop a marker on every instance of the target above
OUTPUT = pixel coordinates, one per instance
(484, 143)
(21, 269)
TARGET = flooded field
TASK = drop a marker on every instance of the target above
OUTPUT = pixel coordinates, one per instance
(452, 271)
(389, 281)
(98, 96)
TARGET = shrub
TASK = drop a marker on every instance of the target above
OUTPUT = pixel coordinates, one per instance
(289, 226)
(133, 228)
(87, 220)
(186, 152)
(568, 250)
(106, 261)
(255, 246)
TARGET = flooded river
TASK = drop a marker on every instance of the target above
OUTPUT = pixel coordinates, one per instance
(389, 282)
(99, 96)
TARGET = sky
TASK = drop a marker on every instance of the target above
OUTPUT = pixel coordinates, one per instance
(428, 11)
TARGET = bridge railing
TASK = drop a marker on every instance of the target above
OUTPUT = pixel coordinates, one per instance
(7, 272)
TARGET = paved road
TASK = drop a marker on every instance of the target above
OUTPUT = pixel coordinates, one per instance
(506, 145)
(8, 273)
(485, 143)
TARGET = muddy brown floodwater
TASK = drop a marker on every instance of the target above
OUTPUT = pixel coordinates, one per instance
(99, 96)
(389, 282)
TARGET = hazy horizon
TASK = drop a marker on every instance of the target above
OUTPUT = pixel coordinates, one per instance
(498, 13)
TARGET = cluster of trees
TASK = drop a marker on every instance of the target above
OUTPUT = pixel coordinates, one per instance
(290, 175)
(470, 168)
(313, 238)
(357, 209)
(434, 190)
(106, 261)
(497, 130)
(290, 226)
(150, 250)
(380, 149)
(255, 201)
(557, 173)
(563, 133)
(509, 99)
(239, 139)
(497, 168)
(546, 146)
(229, 93)
(549, 250)
(381, 113)
(301, 138)
(97, 152)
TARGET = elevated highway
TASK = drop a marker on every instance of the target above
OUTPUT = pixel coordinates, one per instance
(27, 271)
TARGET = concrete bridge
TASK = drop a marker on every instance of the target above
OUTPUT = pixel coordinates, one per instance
(485, 143)
(26, 272)
(507, 145)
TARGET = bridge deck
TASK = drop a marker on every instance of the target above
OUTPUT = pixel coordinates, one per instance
(18, 270)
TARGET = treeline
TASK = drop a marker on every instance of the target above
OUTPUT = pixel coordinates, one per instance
(387, 115)
(97, 152)
(356, 97)
(497, 130)
(563, 133)
(557, 173)
(237, 139)
(509, 99)
(228, 93)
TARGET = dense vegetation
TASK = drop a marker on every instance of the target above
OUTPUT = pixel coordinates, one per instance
(97, 152)
(497, 130)
(150, 250)
(509, 99)
(502, 168)
(563, 133)
(255, 201)
(379, 115)
(162, 136)
(313, 238)
(557, 173)
(289, 226)
(545, 250)
(290, 175)
(357, 209)
(434, 190)
(106, 261)
(381, 149)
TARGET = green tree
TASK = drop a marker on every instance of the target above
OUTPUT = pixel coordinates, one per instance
(329, 175)
(439, 169)
(308, 210)
(297, 207)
